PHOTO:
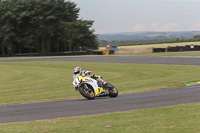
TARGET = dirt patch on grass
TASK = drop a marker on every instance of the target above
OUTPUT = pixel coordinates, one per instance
(133, 50)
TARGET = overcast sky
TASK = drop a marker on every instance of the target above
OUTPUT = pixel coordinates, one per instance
(112, 16)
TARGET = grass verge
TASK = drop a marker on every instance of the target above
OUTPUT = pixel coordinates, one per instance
(174, 119)
(23, 82)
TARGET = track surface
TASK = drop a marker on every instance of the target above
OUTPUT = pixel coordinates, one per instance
(116, 59)
(78, 107)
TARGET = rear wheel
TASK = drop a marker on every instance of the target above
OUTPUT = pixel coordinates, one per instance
(87, 92)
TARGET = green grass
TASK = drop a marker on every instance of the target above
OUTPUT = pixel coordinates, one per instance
(174, 119)
(23, 82)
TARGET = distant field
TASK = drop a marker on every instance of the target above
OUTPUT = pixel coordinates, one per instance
(164, 45)
(164, 54)
(148, 48)
(177, 54)
(22, 82)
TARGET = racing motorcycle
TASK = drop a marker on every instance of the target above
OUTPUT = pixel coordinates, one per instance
(91, 88)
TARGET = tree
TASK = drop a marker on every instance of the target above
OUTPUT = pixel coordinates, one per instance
(42, 27)
(197, 36)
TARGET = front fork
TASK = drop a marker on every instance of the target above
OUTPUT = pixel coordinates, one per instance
(84, 85)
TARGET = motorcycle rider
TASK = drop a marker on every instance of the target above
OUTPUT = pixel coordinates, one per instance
(83, 73)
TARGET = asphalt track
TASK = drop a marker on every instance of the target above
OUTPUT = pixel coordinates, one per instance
(78, 107)
(116, 59)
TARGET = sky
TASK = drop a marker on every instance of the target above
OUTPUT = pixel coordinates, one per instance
(112, 16)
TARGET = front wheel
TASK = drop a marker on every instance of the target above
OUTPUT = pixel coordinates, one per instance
(87, 92)
(113, 92)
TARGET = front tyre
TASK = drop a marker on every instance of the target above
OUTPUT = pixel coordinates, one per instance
(113, 92)
(87, 92)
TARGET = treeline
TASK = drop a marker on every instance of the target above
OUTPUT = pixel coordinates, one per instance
(43, 26)
(146, 42)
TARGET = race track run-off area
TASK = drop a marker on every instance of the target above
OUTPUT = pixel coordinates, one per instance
(124, 102)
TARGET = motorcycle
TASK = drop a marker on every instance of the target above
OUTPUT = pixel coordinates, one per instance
(90, 88)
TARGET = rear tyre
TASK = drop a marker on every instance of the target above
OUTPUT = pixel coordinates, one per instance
(87, 92)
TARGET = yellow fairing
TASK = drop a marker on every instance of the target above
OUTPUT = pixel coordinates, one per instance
(98, 91)
(82, 78)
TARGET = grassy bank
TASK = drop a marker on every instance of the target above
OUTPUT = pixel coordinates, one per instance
(174, 119)
(22, 82)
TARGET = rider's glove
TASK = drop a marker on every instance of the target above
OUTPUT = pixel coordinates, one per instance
(95, 76)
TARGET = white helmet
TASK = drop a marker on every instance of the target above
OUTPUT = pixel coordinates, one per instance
(77, 70)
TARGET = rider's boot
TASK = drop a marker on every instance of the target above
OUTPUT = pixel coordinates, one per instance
(105, 85)
(99, 84)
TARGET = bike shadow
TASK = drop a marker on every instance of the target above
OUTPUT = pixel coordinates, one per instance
(96, 98)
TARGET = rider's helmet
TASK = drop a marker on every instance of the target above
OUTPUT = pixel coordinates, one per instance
(78, 70)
